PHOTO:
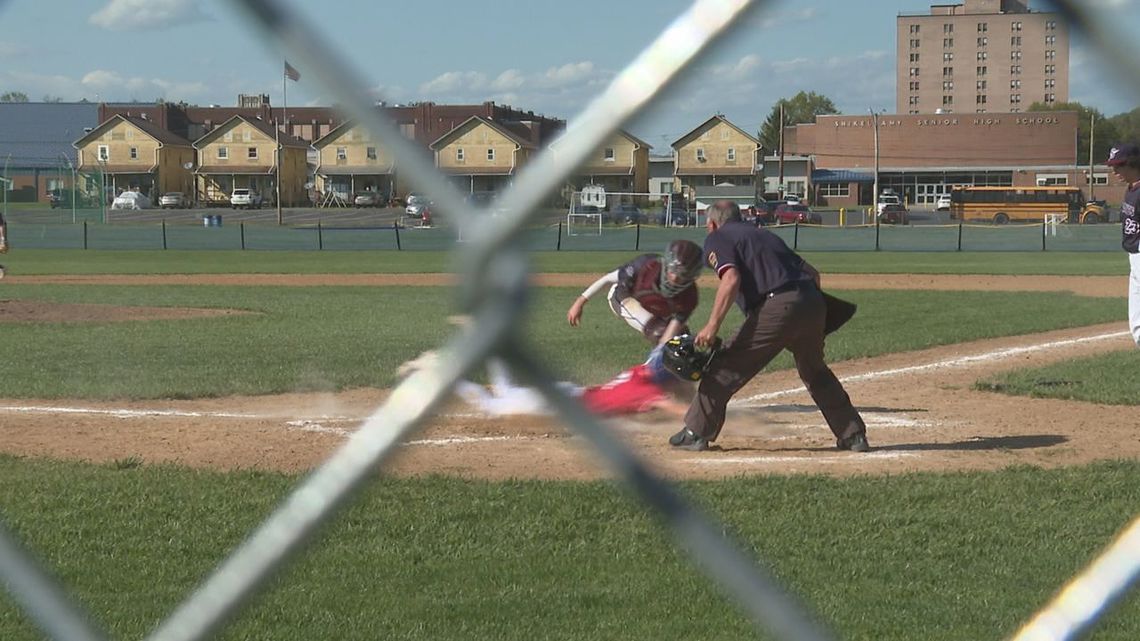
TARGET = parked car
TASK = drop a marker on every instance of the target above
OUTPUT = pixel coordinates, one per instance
(369, 199)
(421, 210)
(943, 203)
(888, 198)
(678, 217)
(173, 200)
(787, 214)
(242, 198)
(130, 200)
(894, 215)
(792, 199)
(627, 214)
(762, 213)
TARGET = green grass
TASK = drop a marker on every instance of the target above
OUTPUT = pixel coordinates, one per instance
(1109, 379)
(214, 262)
(920, 556)
(331, 338)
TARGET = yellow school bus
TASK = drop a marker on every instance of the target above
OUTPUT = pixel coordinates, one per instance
(1001, 205)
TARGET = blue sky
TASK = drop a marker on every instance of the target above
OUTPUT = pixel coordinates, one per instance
(549, 56)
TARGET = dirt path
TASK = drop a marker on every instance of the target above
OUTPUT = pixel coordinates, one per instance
(920, 407)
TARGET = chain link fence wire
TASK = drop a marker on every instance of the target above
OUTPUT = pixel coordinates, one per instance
(495, 294)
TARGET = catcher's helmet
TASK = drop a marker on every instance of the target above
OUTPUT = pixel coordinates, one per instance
(682, 358)
(682, 260)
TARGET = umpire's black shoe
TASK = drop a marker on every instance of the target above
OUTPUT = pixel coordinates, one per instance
(687, 440)
(856, 443)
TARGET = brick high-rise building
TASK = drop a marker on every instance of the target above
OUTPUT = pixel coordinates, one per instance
(980, 56)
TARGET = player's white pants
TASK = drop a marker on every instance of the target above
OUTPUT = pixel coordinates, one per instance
(629, 310)
(1134, 297)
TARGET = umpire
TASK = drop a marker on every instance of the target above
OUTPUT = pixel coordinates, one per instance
(778, 291)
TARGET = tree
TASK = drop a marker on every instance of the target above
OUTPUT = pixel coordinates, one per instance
(14, 96)
(800, 108)
(50, 98)
(1127, 125)
(1104, 130)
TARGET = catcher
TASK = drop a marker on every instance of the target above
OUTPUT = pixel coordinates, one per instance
(656, 384)
(654, 294)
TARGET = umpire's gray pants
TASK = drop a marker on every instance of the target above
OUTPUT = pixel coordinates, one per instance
(793, 320)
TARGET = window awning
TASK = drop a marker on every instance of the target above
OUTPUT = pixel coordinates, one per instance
(841, 176)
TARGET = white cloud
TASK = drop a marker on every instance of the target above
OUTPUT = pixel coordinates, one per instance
(780, 19)
(455, 81)
(509, 79)
(110, 84)
(122, 15)
(569, 74)
(12, 50)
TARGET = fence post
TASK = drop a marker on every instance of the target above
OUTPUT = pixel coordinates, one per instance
(959, 236)
(85, 234)
(164, 233)
(396, 227)
(320, 237)
(241, 227)
(558, 245)
(637, 239)
(876, 234)
(842, 216)
(1044, 226)
(796, 236)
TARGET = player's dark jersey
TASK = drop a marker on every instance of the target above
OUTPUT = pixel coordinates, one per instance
(630, 392)
(640, 279)
(1130, 219)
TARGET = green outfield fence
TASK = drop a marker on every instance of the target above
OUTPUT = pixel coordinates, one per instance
(494, 292)
(258, 236)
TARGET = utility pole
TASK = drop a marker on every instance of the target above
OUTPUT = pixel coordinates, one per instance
(1092, 133)
(875, 200)
(277, 163)
(781, 185)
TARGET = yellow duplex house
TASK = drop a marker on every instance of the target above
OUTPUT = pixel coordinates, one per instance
(136, 154)
(351, 160)
(620, 164)
(715, 153)
(241, 152)
(481, 155)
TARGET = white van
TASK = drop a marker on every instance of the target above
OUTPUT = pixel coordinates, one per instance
(888, 199)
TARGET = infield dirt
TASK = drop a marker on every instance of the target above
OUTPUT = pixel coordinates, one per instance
(920, 407)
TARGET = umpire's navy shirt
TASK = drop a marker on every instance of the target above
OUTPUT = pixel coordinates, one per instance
(764, 262)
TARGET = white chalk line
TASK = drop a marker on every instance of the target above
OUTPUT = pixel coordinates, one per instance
(813, 459)
(948, 363)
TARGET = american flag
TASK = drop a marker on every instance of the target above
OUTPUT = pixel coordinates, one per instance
(291, 73)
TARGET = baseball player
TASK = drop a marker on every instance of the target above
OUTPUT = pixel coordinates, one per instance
(652, 385)
(1125, 162)
(654, 294)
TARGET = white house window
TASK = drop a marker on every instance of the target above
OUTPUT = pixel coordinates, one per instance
(1015, 55)
(948, 56)
(948, 85)
(251, 153)
(1049, 180)
(914, 72)
(490, 153)
(1015, 26)
(608, 154)
(459, 155)
(982, 55)
(1050, 40)
(223, 153)
(1015, 70)
(1100, 179)
(835, 190)
(1015, 41)
(1050, 54)
(947, 27)
(983, 27)
(104, 152)
(1015, 84)
(228, 136)
(947, 42)
(914, 100)
(134, 153)
(341, 153)
(914, 57)
(731, 154)
(370, 153)
(983, 41)
(700, 154)
(1050, 25)
(245, 136)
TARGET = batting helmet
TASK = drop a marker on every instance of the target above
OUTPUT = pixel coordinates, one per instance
(682, 261)
(682, 358)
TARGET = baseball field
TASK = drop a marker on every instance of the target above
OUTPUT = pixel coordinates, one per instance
(155, 406)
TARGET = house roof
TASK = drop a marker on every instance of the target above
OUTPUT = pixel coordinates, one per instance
(40, 134)
(718, 171)
(265, 128)
(356, 170)
(147, 127)
(235, 170)
(475, 121)
(324, 140)
(708, 123)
